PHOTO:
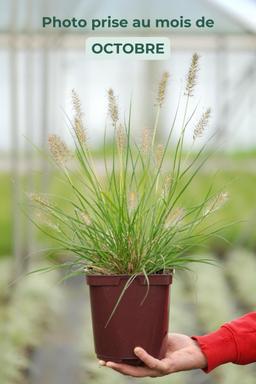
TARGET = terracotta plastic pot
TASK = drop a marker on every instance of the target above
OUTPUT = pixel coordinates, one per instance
(140, 319)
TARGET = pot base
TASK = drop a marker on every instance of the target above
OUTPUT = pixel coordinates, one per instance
(134, 362)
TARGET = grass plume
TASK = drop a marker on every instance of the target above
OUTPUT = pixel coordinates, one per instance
(112, 106)
(78, 118)
(133, 218)
(58, 149)
(202, 123)
(216, 203)
(192, 75)
(162, 89)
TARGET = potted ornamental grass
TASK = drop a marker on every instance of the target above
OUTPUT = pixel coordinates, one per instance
(126, 228)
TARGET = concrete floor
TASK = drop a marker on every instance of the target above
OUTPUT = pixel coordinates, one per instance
(57, 360)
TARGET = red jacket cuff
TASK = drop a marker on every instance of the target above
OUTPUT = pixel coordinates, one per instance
(219, 347)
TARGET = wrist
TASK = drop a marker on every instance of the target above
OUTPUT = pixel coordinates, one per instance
(201, 360)
(219, 347)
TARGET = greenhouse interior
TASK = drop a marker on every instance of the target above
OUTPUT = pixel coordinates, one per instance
(46, 334)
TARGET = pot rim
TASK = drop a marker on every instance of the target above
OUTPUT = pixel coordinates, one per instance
(114, 280)
(172, 271)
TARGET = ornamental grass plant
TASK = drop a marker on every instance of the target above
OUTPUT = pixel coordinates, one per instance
(130, 220)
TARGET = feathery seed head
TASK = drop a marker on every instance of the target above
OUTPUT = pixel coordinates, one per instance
(175, 217)
(202, 123)
(58, 149)
(166, 186)
(78, 118)
(120, 137)
(39, 199)
(159, 154)
(112, 106)
(192, 75)
(85, 218)
(216, 203)
(162, 89)
(76, 104)
(44, 220)
(146, 140)
(79, 131)
(52, 226)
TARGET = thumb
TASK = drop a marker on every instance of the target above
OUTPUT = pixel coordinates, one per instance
(149, 360)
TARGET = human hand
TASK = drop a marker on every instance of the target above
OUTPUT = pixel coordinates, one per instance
(182, 354)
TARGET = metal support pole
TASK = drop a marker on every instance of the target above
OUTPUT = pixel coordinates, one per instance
(222, 82)
(14, 102)
(29, 97)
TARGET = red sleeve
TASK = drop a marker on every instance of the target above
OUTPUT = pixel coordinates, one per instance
(233, 342)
